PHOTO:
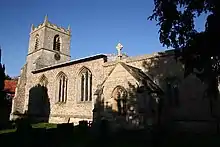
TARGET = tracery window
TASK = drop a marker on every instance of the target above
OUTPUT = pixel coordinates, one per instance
(85, 85)
(62, 83)
(173, 93)
(43, 81)
(119, 95)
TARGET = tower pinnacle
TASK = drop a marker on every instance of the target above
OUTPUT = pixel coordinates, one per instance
(68, 28)
(45, 19)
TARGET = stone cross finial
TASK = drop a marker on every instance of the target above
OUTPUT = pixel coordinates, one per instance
(119, 48)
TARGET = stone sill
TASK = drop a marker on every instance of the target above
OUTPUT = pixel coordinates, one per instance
(60, 103)
(84, 102)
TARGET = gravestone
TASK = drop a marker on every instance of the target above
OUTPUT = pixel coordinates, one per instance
(24, 132)
(66, 128)
(64, 132)
(104, 128)
(83, 124)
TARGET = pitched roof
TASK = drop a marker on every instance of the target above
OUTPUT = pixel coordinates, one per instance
(140, 76)
(10, 86)
(67, 63)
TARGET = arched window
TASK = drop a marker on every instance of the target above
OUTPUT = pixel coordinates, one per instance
(36, 42)
(119, 96)
(56, 43)
(61, 93)
(85, 77)
(173, 93)
(43, 81)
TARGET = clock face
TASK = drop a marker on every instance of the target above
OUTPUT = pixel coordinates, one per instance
(57, 56)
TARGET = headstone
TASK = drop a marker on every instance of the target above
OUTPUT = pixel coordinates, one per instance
(39, 136)
(24, 132)
(23, 126)
(104, 127)
(83, 126)
(65, 128)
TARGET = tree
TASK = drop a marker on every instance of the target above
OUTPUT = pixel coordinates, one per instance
(7, 77)
(198, 51)
(2, 77)
(2, 84)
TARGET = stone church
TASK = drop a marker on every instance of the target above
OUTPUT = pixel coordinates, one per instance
(128, 90)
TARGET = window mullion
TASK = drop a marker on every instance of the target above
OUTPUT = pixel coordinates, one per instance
(66, 91)
(63, 88)
(59, 96)
(86, 86)
(82, 87)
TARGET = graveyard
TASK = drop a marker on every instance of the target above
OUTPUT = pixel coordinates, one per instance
(44, 134)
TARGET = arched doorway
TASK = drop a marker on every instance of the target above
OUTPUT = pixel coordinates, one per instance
(119, 97)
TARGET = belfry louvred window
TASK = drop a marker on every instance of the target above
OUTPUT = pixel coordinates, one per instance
(56, 43)
(36, 42)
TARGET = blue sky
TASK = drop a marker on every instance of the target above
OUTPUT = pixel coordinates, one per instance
(97, 26)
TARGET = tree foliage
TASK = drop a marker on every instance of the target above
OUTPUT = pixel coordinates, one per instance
(7, 77)
(2, 84)
(198, 51)
(2, 77)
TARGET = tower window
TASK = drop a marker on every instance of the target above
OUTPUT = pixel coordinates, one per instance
(85, 85)
(36, 41)
(56, 43)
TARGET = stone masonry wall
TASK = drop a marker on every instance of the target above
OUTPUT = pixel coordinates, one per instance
(191, 90)
(41, 33)
(73, 108)
(192, 110)
(65, 41)
(19, 99)
(119, 77)
(192, 103)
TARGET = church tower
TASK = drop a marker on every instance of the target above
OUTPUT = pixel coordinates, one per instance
(49, 44)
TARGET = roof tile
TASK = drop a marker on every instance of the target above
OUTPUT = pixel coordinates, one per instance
(10, 86)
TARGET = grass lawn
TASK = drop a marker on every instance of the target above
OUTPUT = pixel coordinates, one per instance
(39, 125)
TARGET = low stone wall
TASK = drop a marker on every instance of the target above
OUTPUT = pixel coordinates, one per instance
(60, 120)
